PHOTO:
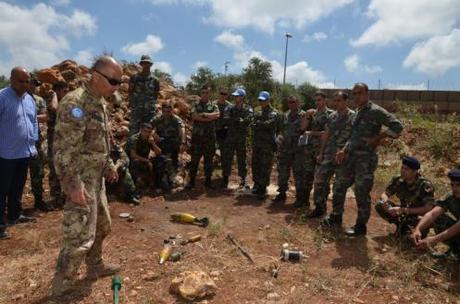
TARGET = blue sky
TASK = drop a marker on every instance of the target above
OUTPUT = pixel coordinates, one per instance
(397, 43)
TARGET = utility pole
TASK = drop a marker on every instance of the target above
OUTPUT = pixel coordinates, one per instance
(288, 35)
(226, 67)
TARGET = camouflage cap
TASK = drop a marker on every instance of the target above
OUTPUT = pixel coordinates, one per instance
(146, 58)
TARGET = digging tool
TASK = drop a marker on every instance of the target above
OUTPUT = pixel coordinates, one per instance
(243, 251)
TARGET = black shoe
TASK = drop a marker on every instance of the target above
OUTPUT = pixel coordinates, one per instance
(254, 190)
(4, 234)
(299, 204)
(133, 199)
(208, 183)
(317, 213)
(281, 197)
(190, 185)
(22, 219)
(333, 220)
(224, 182)
(42, 206)
(356, 230)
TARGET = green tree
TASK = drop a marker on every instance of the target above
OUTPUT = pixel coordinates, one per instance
(203, 75)
(4, 81)
(305, 92)
(257, 76)
(163, 76)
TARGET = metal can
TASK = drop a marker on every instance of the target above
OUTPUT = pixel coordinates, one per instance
(291, 255)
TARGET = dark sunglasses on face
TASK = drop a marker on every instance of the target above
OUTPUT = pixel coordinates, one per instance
(112, 81)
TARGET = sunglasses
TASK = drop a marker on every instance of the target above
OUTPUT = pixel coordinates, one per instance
(112, 81)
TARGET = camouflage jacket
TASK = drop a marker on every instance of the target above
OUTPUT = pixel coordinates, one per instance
(168, 129)
(265, 128)
(317, 123)
(451, 206)
(139, 145)
(239, 120)
(419, 194)
(145, 91)
(339, 128)
(205, 130)
(81, 140)
(290, 129)
(119, 157)
(222, 122)
(368, 123)
(40, 106)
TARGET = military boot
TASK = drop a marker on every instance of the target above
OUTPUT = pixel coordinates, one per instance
(3, 233)
(102, 269)
(356, 230)
(333, 220)
(224, 182)
(61, 286)
(317, 213)
(281, 197)
(132, 198)
(208, 183)
(42, 206)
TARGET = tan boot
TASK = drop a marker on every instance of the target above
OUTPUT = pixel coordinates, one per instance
(61, 286)
(102, 270)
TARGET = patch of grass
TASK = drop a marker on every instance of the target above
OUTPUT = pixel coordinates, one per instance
(215, 227)
(287, 235)
(441, 143)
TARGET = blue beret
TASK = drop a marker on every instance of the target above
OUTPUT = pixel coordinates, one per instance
(454, 175)
(411, 162)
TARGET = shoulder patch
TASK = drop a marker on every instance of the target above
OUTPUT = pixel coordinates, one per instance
(77, 112)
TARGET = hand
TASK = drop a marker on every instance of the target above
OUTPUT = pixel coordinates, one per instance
(79, 195)
(340, 157)
(112, 176)
(394, 211)
(416, 236)
(426, 243)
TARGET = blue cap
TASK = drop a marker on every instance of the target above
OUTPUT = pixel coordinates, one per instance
(264, 96)
(454, 175)
(411, 162)
(239, 92)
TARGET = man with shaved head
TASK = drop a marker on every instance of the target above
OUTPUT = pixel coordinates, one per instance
(82, 159)
(18, 134)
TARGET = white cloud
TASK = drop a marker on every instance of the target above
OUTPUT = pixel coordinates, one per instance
(300, 72)
(180, 79)
(163, 66)
(264, 14)
(37, 37)
(353, 64)
(60, 2)
(436, 55)
(398, 21)
(199, 64)
(420, 86)
(318, 36)
(150, 45)
(84, 57)
(230, 40)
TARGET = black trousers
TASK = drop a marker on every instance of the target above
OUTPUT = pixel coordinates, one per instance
(13, 175)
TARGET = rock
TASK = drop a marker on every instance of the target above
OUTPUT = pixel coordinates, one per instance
(49, 76)
(215, 273)
(69, 75)
(150, 276)
(273, 296)
(193, 285)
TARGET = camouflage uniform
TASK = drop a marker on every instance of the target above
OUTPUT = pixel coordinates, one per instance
(203, 140)
(81, 150)
(265, 128)
(222, 127)
(239, 119)
(37, 162)
(121, 161)
(169, 131)
(339, 128)
(53, 181)
(142, 100)
(291, 155)
(361, 161)
(419, 194)
(317, 123)
(162, 171)
(451, 216)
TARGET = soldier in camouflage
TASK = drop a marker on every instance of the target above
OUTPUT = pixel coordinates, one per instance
(415, 194)
(171, 131)
(265, 128)
(290, 154)
(336, 134)
(143, 93)
(239, 118)
(358, 158)
(315, 124)
(445, 217)
(222, 123)
(58, 92)
(82, 160)
(37, 162)
(144, 166)
(204, 115)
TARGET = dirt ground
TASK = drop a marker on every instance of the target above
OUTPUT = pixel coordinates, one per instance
(373, 269)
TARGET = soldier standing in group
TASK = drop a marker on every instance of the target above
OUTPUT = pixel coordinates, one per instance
(222, 123)
(290, 154)
(265, 128)
(171, 130)
(336, 134)
(358, 159)
(415, 194)
(143, 93)
(445, 217)
(58, 92)
(204, 115)
(315, 124)
(239, 118)
(82, 160)
(37, 162)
